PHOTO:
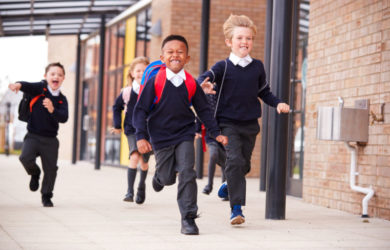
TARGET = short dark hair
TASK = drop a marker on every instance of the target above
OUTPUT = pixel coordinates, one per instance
(174, 37)
(56, 64)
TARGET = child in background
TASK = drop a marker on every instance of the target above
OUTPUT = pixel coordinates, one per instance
(240, 82)
(126, 101)
(171, 125)
(49, 109)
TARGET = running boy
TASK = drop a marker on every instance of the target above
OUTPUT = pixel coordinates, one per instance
(171, 126)
(126, 101)
(41, 140)
(240, 81)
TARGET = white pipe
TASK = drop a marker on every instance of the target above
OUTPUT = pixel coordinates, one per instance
(368, 191)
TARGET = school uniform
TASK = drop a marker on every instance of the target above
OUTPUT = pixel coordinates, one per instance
(237, 114)
(41, 138)
(126, 101)
(171, 126)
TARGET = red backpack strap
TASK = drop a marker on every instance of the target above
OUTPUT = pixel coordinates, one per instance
(34, 100)
(159, 83)
(161, 78)
(191, 85)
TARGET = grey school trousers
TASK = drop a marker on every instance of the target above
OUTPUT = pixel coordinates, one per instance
(179, 159)
(242, 140)
(47, 148)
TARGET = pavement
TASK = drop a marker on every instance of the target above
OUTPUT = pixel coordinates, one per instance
(89, 213)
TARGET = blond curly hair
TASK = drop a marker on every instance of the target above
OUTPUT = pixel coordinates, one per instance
(237, 21)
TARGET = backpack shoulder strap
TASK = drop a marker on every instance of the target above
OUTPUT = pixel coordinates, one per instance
(191, 85)
(34, 100)
(159, 83)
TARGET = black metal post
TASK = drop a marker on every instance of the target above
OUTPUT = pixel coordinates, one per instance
(204, 36)
(278, 129)
(76, 101)
(204, 42)
(100, 92)
(264, 116)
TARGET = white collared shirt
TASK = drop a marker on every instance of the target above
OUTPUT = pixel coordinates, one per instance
(53, 92)
(243, 62)
(136, 86)
(176, 79)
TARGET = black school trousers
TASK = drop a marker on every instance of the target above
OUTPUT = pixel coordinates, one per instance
(179, 159)
(47, 149)
(242, 138)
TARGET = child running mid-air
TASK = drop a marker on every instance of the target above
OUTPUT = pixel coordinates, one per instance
(126, 101)
(48, 108)
(240, 82)
(171, 126)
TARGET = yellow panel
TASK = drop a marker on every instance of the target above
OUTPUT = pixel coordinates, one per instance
(130, 39)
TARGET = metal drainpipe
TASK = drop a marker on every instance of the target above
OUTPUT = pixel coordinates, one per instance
(352, 182)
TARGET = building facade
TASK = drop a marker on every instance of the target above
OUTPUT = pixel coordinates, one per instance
(339, 48)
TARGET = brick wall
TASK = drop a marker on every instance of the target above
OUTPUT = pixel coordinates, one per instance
(186, 20)
(349, 56)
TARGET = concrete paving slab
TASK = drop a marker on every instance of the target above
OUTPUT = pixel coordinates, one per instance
(89, 213)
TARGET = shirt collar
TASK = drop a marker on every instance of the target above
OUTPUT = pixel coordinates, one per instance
(243, 62)
(54, 92)
(136, 86)
(176, 79)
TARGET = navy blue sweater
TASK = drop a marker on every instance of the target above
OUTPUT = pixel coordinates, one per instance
(117, 110)
(242, 87)
(41, 122)
(171, 121)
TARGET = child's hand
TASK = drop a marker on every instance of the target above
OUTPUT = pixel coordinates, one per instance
(15, 86)
(48, 105)
(283, 108)
(208, 87)
(115, 130)
(222, 139)
(144, 146)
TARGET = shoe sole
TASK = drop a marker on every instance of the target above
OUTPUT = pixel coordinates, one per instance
(192, 233)
(237, 220)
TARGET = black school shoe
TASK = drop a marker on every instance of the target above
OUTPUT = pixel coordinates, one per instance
(189, 227)
(207, 189)
(156, 185)
(140, 198)
(128, 198)
(46, 201)
(34, 182)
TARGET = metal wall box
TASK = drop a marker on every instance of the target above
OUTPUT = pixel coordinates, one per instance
(344, 124)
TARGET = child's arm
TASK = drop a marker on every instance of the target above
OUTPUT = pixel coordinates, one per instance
(31, 88)
(143, 146)
(60, 113)
(117, 112)
(15, 86)
(266, 95)
(211, 77)
(127, 123)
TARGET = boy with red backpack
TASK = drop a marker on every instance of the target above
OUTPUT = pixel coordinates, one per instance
(163, 112)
